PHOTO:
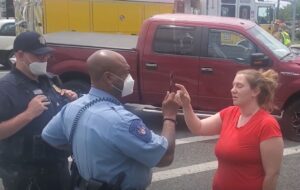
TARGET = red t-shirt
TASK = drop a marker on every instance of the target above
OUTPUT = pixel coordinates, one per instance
(238, 150)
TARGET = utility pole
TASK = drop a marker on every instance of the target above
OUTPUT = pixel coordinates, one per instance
(278, 7)
(294, 5)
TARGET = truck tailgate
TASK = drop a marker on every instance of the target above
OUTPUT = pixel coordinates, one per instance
(89, 39)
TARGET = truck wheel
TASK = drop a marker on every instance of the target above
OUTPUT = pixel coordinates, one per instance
(290, 123)
(78, 86)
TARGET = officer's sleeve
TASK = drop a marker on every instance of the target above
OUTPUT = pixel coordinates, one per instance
(135, 140)
(54, 133)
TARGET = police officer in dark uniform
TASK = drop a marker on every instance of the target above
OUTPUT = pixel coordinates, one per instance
(29, 98)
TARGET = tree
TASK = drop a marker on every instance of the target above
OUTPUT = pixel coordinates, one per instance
(286, 12)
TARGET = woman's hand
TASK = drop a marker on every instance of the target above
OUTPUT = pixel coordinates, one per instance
(183, 96)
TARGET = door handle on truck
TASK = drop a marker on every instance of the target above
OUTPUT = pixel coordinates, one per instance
(151, 66)
(206, 70)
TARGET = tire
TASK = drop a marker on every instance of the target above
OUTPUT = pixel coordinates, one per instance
(290, 123)
(78, 86)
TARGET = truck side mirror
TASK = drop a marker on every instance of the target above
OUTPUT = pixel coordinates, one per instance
(259, 60)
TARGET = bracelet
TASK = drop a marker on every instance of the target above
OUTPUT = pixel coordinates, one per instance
(169, 119)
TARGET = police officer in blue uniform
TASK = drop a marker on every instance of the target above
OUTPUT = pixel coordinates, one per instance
(112, 147)
(29, 98)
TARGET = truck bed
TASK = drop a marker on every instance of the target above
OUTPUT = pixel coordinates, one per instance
(89, 39)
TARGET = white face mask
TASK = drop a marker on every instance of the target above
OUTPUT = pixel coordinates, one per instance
(38, 68)
(127, 87)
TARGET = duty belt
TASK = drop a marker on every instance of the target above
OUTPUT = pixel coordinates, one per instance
(96, 185)
(92, 185)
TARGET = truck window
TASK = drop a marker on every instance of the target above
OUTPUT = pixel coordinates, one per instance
(264, 15)
(229, 1)
(228, 8)
(270, 42)
(175, 40)
(8, 29)
(245, 12)
(227, 44)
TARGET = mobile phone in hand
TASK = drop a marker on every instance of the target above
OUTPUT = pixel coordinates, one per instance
(172, 87)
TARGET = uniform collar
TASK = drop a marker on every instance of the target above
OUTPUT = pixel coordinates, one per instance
(24, 77)
(102, 94)
(19, 73)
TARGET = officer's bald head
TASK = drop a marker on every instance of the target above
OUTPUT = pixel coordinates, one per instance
(103, 61)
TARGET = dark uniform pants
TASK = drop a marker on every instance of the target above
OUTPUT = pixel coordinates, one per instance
(48, 177)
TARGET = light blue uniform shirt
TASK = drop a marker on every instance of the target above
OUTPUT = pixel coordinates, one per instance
(108, 140)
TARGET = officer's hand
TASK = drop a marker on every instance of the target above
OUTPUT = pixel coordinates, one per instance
(37, 106)
(170, 105)
(71, 95)
(183, 96)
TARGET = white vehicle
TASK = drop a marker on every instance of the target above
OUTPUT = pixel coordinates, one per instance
(7, 37)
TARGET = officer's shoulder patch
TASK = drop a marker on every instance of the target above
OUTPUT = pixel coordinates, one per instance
(138, 129)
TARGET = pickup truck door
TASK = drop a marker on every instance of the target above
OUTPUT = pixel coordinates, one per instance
(169, 50)
(223, 53)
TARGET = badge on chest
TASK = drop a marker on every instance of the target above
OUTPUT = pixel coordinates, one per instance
(38, 91)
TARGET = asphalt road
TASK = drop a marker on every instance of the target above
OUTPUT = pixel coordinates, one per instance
(2, 73)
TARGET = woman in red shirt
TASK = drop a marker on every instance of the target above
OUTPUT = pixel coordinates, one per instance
(250, 147)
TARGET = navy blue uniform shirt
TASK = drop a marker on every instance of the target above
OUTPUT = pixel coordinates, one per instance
(16, 91)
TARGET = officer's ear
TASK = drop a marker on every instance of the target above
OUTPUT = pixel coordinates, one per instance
(19, 54)
(105, 79)
(108, 77)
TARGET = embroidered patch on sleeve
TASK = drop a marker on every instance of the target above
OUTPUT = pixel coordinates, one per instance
(138, 129)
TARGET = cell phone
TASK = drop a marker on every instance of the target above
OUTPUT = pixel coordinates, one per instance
(172, 87)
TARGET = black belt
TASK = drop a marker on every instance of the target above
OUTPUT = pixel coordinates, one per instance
(93, 185)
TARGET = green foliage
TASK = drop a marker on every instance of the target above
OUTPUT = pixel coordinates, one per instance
(286, 12)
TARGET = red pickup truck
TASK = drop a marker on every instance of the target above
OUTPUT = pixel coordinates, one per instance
(201, 52)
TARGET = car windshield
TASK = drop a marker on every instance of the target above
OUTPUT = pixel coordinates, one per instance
(8, 29)
(270, 42)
